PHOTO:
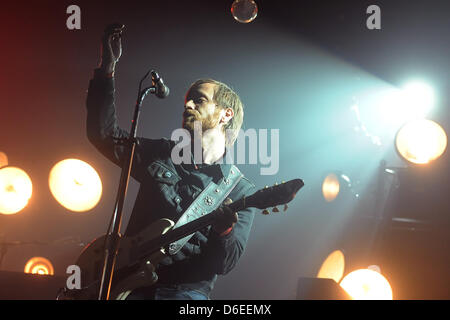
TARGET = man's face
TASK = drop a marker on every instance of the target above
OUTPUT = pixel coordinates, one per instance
(199, 106)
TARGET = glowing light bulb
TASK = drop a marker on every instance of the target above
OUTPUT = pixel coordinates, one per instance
(75, 185)
(39, 265)
(330, 187)
(244, 11)
(365, 284)
(421, 141)
(15, 190)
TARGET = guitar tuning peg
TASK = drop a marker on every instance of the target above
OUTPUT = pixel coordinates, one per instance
(275, 209)
(266, 187)
(285, 207)
(265, 212)
(276, 183)
(283, 181)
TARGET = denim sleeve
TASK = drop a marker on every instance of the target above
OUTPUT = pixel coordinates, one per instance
(105, 134)
(224, 252)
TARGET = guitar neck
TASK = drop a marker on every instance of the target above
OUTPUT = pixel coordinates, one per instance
(173, 235)
(187, 229)
(178, 233)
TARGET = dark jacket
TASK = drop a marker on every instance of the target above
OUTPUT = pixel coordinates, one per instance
(166, 191)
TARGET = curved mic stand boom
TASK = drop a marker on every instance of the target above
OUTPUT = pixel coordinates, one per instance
(113, 236)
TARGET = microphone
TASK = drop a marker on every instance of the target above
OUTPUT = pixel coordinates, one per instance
(161, 90)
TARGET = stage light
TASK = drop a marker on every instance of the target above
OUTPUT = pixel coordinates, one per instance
(244, 11)
(15, 190)
(365, 284)
(330, 187)
(411, 102)
(75, 185)
(335, 184)
(421, 141)
(333, 266)
(39, 265)
(418, 97)
(3, 160)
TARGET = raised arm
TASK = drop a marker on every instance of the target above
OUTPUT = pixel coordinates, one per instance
(102, 126)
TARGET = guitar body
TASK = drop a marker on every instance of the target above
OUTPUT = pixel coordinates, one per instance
(127, 275)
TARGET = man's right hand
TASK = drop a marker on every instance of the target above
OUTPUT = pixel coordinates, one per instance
(111, 48)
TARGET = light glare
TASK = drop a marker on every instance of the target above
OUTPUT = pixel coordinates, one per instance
(419, 97)
(330, 187)
(39, 265)
(333, 266)
(75, 185)
(365, 284)
(15, 190)
(413, 101)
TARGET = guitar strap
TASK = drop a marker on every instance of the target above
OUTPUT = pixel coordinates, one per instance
(208, 201)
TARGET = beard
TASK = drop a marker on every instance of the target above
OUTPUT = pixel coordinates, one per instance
(207, 123)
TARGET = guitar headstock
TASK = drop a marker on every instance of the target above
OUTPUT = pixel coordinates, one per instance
(275, 195)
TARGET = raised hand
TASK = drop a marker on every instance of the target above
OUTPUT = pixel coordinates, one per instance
(111, 48)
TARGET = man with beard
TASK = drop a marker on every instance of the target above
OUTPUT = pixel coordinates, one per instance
(168, 188)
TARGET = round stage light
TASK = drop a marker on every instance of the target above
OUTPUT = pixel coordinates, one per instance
(365, 284)
(15, 190)
(39, 265)
(333, 266)
(336, 184)
(421, 141)
(75, 185)
(3, 159)
(330, 187)
(244, 11)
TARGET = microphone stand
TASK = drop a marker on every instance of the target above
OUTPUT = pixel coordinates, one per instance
(113, 236)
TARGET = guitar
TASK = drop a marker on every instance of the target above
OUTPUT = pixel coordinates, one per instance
(138, 256)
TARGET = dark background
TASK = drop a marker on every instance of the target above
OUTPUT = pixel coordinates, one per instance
(298, 68)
